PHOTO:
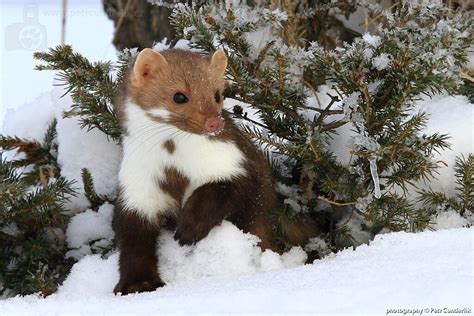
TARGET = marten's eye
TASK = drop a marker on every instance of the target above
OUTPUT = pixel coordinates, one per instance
(180, 98)
(217, 96)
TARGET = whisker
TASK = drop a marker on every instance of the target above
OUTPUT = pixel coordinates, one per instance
(146, 136)
(154, 142)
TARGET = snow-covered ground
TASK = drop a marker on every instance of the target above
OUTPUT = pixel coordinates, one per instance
(426, 271)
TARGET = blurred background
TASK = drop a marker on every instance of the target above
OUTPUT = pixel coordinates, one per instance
(29, 26)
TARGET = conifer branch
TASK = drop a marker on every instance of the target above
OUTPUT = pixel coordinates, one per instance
(90, 85)
(464, 172)
(94, 199)
(380, 111)
(32, 202)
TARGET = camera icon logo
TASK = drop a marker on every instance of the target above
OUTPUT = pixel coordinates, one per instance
(26, 35)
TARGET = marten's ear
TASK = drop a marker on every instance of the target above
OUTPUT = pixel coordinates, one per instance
(218, 63)
(148, 63)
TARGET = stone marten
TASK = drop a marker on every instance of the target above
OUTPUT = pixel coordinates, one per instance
(185, 165)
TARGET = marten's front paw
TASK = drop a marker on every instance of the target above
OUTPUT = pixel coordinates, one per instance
(125, 287)
(190, 234)
(184, 236)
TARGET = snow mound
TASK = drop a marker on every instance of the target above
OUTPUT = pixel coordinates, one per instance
(77, 148)
(399, 270)
(225, 251)
(453, 116)
(80, 149)
(90, 229)
(449, 219)
(31, 120)
(89, 232)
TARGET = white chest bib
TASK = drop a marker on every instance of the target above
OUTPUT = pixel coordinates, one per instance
(198, 158)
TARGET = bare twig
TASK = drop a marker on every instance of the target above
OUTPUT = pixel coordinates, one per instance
(467, 77)
(322, 198)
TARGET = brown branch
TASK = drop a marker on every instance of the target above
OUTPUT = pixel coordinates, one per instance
(333, 125)
(325, 112)
(280, 61)
(123, 14)
(244, 117)
(322, 198)
(5, 236)
(467, 77)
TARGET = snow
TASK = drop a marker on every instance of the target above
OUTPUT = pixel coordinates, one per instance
(164, 44)
(382, 61)
(31, 119)
(293, 204)
(80, 149)
(225, 251)
(317, 244)
(363, 202)
(449, 219)
(453, 116)
(237, 252)
(361, 142)
(350, 105)
(89, 227)
(372, 40)
(77, 148)
(399, 270)
(40, 112)
(355, 223)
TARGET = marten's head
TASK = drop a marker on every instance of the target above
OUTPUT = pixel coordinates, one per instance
(180, 88)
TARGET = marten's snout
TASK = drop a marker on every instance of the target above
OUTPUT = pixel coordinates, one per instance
(215, 124)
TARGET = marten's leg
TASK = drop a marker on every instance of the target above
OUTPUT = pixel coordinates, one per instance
(259, 225)
(137, 239)
(254, 217)
(207, 206)
(300, 230)
(297, 232)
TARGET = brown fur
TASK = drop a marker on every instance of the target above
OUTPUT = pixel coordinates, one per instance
(183, 71)
(138, 263)
(169, 146)
(245, 201)
(175, 184)
(298, 231)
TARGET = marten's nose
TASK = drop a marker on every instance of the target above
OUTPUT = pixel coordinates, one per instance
(214, 124)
